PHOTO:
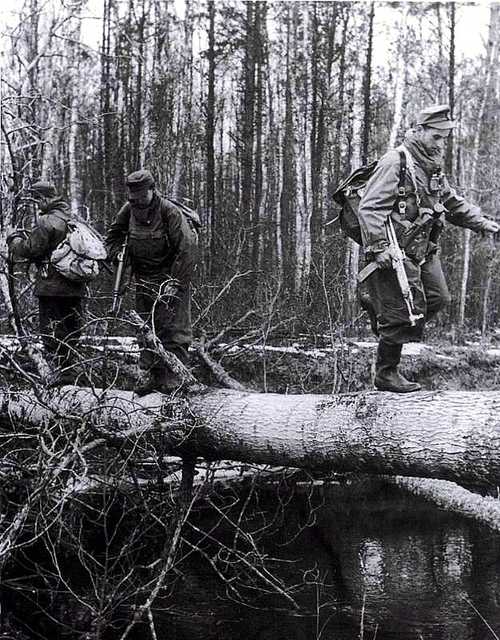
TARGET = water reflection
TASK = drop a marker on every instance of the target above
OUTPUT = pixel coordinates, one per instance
(410, 570)
(375, 564)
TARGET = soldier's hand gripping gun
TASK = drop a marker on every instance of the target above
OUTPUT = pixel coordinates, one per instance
(397, 256)
(121, 263)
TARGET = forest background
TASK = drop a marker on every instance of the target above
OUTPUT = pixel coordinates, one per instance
(253, 112)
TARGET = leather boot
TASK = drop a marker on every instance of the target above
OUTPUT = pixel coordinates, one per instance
(387, 376)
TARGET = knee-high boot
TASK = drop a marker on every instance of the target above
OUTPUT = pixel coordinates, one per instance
(387, 376)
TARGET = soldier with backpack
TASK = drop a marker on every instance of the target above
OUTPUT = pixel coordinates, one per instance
(408, 198)
(162, 252)
(60, 295)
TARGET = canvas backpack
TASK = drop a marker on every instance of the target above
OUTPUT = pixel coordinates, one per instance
(190, 218)
(77, 256)
(349, 193)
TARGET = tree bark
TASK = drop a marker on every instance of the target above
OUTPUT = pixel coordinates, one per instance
(448, 435)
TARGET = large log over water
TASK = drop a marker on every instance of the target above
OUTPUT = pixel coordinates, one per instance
(448, 435)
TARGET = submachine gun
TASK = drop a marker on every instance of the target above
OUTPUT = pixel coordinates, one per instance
(121, 263)
(426, 216)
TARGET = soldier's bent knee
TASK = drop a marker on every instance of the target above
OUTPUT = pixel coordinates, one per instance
(438, 302)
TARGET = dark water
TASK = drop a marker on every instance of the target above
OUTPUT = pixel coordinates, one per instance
(276, 560)
(361, 561)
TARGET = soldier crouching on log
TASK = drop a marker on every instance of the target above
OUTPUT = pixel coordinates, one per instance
(409, 193)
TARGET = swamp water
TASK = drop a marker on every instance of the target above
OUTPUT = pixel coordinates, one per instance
(279, 559)
(362, 560)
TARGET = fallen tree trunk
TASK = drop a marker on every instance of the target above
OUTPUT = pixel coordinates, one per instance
(448, 495)
(448, 435)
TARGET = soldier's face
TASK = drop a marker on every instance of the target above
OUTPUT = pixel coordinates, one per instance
(434, 140)
(140, 199)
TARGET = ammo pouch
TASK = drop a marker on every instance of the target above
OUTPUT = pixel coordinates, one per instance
(421, 237)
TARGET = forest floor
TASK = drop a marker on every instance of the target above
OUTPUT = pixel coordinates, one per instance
(349, 366)
(299, 367)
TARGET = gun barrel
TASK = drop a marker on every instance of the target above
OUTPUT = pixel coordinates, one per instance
(117, 285)
(398, 266)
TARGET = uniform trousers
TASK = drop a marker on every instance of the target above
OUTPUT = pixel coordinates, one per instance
(170, 319)
(60, 320)
(430, 294)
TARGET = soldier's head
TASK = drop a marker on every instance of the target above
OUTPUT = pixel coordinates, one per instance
(433, 127)
(42, 192)
(140, 188)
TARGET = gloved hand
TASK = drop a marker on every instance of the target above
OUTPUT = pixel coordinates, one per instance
(384, 259)
(490, 226)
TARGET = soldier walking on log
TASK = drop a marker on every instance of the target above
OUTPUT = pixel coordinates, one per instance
(162, 250)
(409, 188)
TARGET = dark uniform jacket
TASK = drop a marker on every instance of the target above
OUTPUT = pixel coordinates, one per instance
(162, 247)
(42, 239)
(379, 200)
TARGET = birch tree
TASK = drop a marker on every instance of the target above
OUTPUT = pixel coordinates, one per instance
(302, 151)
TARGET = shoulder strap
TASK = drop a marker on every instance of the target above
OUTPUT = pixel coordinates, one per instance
(401, 198)
(402, 169)
(410, 169)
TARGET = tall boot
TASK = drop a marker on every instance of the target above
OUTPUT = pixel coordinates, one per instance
(387, 376)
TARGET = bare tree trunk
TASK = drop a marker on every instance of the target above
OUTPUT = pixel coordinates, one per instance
(451, 85)
(257, 220)
(248, 118)
(288, 177)
(303, 210)
(184, 115)
(400, 77)
(74, 177)
(321, 117)
(465, 277)
(276, 173)
(341, 96)
(210, 134)
(365, 145)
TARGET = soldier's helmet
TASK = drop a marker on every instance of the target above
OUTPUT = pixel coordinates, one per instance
(437, 116)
